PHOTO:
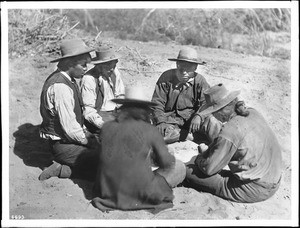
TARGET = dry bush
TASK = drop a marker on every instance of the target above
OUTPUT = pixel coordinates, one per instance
(37, 31)
(40, 30)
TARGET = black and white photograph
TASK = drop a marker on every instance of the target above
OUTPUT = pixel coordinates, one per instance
(150, 114)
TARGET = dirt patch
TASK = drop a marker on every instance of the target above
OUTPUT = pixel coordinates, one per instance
(265, 85)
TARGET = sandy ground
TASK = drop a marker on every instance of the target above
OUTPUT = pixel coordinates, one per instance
(265, 85)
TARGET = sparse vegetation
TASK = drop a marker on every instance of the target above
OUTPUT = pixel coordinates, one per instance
(39, 30)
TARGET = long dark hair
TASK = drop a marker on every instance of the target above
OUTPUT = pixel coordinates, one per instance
(136, 112)
(241, 109)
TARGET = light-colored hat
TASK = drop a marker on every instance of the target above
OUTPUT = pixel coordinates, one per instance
(105, 55)
(135, 95)
(73, 47)
(188, 54)
(217, 97)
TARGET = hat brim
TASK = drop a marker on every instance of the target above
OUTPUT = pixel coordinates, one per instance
(133, 101)
(102, 61)
(211, 109)
(188, 60)
(68, 56)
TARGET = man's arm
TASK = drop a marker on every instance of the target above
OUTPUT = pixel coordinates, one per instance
(216, 157)
(63, 101)
(202, 86)
(163, 158)
(120, 88)
(160, 98)
(89, 96)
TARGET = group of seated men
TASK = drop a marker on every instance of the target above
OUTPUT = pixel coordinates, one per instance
(100, 130)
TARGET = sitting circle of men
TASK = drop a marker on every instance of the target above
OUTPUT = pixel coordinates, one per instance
(118, 138)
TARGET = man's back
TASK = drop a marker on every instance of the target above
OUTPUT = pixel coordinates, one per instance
(125, 179)
(258, 150)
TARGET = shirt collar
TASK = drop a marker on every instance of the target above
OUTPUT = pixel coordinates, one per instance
(66, 75)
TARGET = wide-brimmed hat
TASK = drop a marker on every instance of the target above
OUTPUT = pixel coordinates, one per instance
(104, 55)
(72, 47)
(135, 95)
(216, 98)
(188, 54)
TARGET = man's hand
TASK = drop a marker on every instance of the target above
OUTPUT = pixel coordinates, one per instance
(202, 148)
(93, 142)
(195, 124)
(162, 127)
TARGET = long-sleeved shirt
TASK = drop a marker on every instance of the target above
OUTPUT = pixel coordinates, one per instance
(248, 146)
(97, 92)
(60, 102)
(174, 98)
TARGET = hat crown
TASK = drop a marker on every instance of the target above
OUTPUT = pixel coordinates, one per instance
(105, 55)
(216, 94)
(136, 93)
(73, 47)
(187, 54)
(217, 97)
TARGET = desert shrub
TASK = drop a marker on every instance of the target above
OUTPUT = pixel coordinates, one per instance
(37, 31)
(40, 30)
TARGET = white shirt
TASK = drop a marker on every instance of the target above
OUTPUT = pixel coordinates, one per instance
(60, 101)
(89, 96)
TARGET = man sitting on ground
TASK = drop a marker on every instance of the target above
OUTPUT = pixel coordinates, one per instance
(98, 86)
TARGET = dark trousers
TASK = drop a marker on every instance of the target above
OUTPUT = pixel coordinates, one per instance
(82, 160)
(225, 185)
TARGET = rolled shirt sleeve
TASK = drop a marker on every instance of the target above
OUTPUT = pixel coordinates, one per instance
(217, 156)
(61, 96)
(88, 91)
(120, 88)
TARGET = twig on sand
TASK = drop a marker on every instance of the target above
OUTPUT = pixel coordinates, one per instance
(98, 35)
(164, 211)
(122, 68)
(138, 54)
(218, 76)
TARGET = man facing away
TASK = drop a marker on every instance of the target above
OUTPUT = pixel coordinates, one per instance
(130, 146)
(246, 145)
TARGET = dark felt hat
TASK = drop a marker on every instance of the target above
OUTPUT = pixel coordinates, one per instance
(71, 48)
(217, 97)
(104, 55)
(188, 54)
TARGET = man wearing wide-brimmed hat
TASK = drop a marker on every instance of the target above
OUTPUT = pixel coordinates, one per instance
(98, 86)
(125, 178)
(61, 110)
(179, 96)
(246, 145)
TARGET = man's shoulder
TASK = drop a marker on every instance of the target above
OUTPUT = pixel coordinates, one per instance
(91, 73)
(167, 75)
(55, 77)
(199, 77)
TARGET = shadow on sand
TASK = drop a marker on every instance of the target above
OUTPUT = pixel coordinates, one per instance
(33, 150)
(36, 152)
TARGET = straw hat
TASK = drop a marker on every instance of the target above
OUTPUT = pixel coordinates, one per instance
(135, 95)
(104, 55)
(217, 97)
(73, 47)
(188, 54)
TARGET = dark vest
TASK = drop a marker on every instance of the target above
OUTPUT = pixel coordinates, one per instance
(51, 124)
